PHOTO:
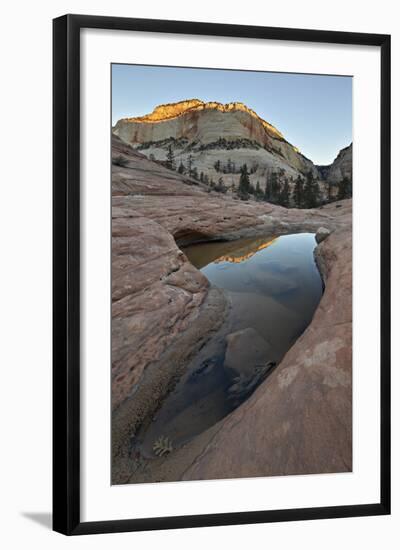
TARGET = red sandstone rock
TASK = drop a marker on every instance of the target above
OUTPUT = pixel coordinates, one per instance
(299, 419)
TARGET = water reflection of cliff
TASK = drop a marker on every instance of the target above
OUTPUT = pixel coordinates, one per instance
(232, 252)
(244, 253)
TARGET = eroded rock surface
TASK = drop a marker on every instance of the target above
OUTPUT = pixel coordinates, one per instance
(299, 419)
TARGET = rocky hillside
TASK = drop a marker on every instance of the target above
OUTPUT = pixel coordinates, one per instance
(216, 138)
(342, 166)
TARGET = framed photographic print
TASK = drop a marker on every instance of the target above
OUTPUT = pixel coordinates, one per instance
(221, 274)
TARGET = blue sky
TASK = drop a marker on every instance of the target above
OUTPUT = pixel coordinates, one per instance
(313, 112)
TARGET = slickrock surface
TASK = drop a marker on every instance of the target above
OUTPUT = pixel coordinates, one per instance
(164, 310)
(299, 420)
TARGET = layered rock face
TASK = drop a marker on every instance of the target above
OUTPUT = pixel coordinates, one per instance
(211, 132)
(164, 310)
(191, 119)
(342, 166)
(173, 110)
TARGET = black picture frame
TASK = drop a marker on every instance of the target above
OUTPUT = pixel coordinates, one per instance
(66, 273)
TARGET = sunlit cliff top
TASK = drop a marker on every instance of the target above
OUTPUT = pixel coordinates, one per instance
(173, 110)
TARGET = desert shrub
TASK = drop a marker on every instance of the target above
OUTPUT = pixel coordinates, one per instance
(162, 446)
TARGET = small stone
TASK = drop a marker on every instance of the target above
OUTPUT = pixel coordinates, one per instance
(321, 234)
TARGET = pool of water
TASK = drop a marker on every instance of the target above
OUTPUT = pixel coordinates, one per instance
(273, 287)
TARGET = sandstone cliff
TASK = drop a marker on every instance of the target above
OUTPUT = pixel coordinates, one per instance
(210, 132)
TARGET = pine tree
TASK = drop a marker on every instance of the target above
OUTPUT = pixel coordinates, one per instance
(311, 191)
(349, 188)
(170, 159)
(298, 192)
(190, 165)
(202, 177)
(329, 193)
(267, 192)
(181, 168)
(195, 174)
(244, 183)
(275, 188)
(344, 189)
(220, 186)
(258, 192)
(317, 193)
(284, 197)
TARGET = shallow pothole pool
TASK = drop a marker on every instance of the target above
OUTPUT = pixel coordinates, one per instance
(273, 287)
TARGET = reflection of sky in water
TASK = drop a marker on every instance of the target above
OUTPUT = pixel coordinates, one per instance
(274, 284)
